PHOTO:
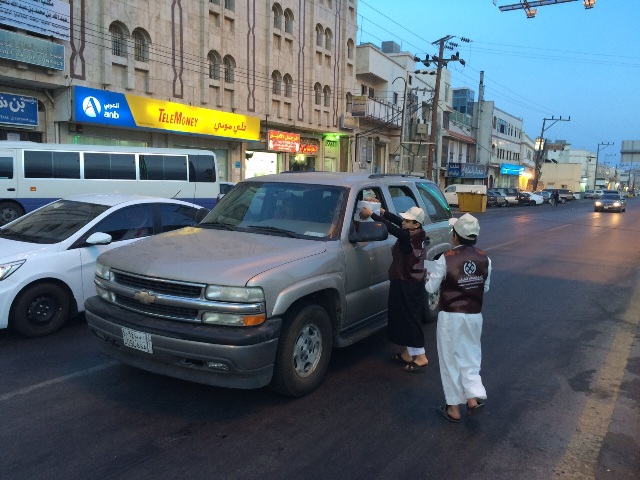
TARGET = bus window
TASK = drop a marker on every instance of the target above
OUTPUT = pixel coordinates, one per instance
(6, 167)
(109, 166)
(163, 167)
(51, 164)
(202, 168)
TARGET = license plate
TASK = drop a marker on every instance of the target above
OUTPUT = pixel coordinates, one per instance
(138, 340)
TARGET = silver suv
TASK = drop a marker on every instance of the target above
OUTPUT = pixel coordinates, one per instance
(278, 273)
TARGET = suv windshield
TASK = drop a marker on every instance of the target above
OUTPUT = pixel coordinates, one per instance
(274, 208)
(53, 223)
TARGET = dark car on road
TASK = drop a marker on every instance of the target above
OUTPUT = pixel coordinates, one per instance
(610, 202)
(495, 198)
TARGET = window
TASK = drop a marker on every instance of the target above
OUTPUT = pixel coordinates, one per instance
(402, 198)
(118, 46)
(349, 102)
(230, 5)
(214, 65)
(49, 164)
(176, 216)
(350, 48)
(434, 202)
(277, 16)
(6, 167)
(327, 96)
(127, 223)
(318, 93)
(502, 126)
(163, 167)
(202, 168)
(395, 98)
(141, 46)
(371, 92)
(288, 21)
(276, 79)
(363, 89)
(110, 166)
(288, 86)
(319, 35)
(328, 39)
(229, 68)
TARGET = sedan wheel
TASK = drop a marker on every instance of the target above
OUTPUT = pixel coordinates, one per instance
(40, 310)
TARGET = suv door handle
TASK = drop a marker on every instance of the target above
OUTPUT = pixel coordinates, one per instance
(11, 189)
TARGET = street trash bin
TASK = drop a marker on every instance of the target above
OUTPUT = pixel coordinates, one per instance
(472, 202)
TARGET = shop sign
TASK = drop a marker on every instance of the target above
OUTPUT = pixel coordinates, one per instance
(466, 170)
(18, 110)
(359, 105)
(349, 123)
(46, 17)
(122, 110)
(509, 169)
(31, 50)
(283, 141)
(309, 146)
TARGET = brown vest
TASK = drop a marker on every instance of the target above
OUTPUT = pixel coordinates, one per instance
(462, 289)
(409, 267)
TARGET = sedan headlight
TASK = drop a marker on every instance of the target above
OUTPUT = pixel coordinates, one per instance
(598, 203)
(8, 268)
(616, 204)
(104, 272)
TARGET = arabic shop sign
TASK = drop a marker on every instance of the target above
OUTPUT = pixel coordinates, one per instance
(358, 105)
(466, 170)
(31, 50)
(283, 141)
(18, 110)
(509, 169)
(46, 17)
(129, 111)
(309, 146)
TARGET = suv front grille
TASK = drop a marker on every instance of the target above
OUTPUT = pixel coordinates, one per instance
(167, 311)
(179, 289)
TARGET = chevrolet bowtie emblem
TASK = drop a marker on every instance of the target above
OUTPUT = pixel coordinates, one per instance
(145, 297)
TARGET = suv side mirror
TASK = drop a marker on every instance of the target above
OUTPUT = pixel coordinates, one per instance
(367, 232)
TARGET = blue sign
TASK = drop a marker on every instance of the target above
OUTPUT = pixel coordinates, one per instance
(509, 169)
(18, 110)
(466, 170)
(101, 107)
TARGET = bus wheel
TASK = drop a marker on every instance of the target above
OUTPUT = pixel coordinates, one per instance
(40, 310)
(9, 211)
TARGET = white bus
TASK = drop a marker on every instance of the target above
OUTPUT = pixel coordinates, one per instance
(33, 174)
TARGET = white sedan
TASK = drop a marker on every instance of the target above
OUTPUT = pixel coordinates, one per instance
(528, 198)
(47, 257)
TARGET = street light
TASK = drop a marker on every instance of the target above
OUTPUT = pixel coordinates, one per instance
(404, 103)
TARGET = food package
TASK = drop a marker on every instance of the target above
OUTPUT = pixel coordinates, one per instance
(374, 206)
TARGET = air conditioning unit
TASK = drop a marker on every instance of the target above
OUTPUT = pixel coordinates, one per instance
(422, 129)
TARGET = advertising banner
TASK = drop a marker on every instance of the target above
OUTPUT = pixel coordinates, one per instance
(18, 110)
(466, 170)
(31, 50)
(46, 17)
(359, 106)
(130, 111)
(509, 169)
(283, 141)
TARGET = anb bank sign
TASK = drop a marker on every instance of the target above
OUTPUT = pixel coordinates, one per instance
(129, 111)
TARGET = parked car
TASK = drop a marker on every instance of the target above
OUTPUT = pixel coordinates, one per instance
(249, 298)
(225, 187)
(495, 198)
(566, 195)
(47, 257)
(610, 202)
(546, 195)
(451, 192)
(576, 195)
(598, 192)
(529, 198)
(589, 193)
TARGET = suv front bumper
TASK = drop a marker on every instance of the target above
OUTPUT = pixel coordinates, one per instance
(233, 357)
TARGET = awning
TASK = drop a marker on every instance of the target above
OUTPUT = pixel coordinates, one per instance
(459, 136)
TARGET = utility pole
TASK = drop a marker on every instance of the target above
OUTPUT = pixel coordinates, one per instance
(595, 174)
(439, 62)
(540, 153)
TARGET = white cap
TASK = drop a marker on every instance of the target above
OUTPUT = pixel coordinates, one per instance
(414, 213)
(466, 226)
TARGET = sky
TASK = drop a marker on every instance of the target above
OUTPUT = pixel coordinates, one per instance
(566, 62)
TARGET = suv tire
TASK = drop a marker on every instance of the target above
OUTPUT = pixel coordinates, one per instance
(304, 350)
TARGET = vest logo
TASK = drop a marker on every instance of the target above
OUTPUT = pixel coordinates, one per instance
(469, 268)
(91, 107)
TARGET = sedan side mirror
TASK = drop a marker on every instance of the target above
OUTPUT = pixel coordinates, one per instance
(99, 238)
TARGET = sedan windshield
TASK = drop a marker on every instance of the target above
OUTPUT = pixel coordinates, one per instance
(610, 196)
(284, 209)
(53, 223)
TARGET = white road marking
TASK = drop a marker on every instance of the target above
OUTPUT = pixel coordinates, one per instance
(53, 381)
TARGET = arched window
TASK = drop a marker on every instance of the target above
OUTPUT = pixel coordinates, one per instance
(327, 96)
(318, 93)
(276, 78)
(349, 102)
(350, 48)
(140, 45)
(319, 35)
(328, 39)
(288, 86)
(229, 69)
(214, 65)
(118, 45)
(277, 16)
(288, 21)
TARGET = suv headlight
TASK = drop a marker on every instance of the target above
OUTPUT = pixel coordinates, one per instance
(237, 295)
(234, 294)
(8, 268)
(103, 272)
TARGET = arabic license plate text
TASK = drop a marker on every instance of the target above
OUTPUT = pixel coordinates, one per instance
(138, 340)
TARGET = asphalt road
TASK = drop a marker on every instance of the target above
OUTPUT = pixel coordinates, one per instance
(561, 364)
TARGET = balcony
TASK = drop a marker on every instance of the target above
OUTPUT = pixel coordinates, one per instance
(379, 111)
